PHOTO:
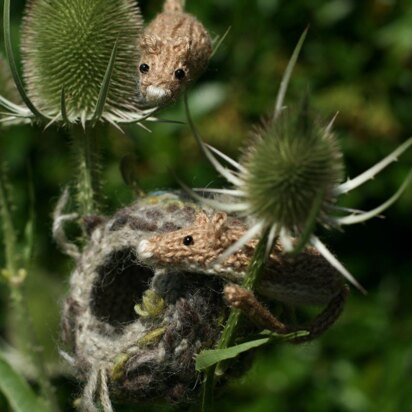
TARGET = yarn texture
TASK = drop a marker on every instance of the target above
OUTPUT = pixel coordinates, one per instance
(148, 293)
(131, 331)
(175, 50)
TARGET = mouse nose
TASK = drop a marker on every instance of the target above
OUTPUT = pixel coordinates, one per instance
(143, 249)
(157, 93)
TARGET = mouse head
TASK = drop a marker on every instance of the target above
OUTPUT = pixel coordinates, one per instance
(164, 68)
(197, 244)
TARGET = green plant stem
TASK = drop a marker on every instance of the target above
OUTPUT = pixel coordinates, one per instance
(231, 328)
(31, 346)
(208, 390)
(8, 228)
(19, 303)
(86, 153)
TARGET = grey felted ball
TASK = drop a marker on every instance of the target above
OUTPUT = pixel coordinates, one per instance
(149, 356)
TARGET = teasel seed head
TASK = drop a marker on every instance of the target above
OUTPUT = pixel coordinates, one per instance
(290, 178)
(292, 163)
(67, 46)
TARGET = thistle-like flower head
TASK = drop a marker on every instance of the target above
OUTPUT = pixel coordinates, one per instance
(69, 43)
(290, 178)
(79, 61)
(296, 162)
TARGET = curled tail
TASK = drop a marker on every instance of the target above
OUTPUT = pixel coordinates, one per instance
(245, 301)
(174, 6)
(327, 317)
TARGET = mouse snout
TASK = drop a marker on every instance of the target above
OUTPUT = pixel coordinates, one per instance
(157, 93)
(144, 249)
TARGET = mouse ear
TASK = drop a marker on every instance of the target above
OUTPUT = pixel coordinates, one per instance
(151, 44)
(219, 221)
(201, 219)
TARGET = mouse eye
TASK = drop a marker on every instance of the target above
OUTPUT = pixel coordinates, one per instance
(188, 240)
(144, 68)
(180, 74)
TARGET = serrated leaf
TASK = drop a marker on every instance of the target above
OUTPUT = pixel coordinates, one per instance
(18, 393)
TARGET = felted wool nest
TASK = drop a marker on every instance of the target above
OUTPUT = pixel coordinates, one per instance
(144, 352)
(147, 296)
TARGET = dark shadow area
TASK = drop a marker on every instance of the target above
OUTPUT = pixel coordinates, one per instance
(120, 285)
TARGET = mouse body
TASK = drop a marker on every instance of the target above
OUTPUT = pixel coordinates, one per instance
(307, 279)
(175, 50)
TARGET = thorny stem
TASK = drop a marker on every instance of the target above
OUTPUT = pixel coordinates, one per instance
(253, 277)
(85, 142)
(15, 278)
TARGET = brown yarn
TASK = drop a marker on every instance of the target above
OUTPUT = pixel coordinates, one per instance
(175, 50)
(173, 6)
(247, 302)
(307, 279)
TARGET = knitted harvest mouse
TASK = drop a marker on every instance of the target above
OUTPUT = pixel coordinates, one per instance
(175, 49)
(307, 279)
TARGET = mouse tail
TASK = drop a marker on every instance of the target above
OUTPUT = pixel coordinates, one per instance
(174, 6)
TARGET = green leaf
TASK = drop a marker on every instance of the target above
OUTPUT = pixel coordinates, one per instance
(208, 358)
(17, 392)
(12, 62)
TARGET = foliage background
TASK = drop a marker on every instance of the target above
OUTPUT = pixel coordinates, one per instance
(357, 60)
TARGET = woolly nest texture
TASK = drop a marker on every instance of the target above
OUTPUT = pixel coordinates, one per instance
(147, 356)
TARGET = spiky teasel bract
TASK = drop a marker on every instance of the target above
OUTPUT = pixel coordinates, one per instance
(79, 61)
(290, 178)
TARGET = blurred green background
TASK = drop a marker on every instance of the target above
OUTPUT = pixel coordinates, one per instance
(357, 60)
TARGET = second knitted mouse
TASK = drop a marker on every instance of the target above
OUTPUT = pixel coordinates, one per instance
(175, 50)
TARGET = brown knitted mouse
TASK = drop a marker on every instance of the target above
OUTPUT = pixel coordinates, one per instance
(175, 49)
(307, 279)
